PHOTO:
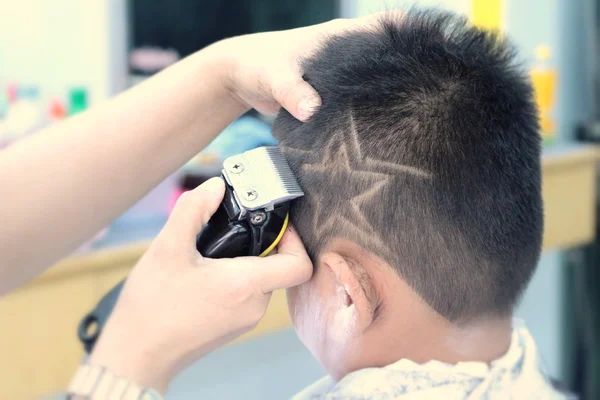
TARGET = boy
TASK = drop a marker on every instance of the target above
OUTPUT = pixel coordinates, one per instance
(422, 215)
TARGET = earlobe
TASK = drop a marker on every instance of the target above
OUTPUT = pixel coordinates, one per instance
(353, 285)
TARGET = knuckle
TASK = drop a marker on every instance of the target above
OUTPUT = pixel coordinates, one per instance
(185, 200)
(263, 83)
(302, 265)
(259, 313)
(282, 92)
(271, 108)
(162, 247)
(255, 316)
(194, 203)
(308, 266)
(255, 310)
(307, 272)
(239, 290)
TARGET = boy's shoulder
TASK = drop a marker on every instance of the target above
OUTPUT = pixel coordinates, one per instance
(518, 374)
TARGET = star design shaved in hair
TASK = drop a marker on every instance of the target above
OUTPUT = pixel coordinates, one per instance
(341, 165)
(342, 162)
(434, 174)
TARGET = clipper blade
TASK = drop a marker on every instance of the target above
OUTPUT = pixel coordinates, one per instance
(261, 178)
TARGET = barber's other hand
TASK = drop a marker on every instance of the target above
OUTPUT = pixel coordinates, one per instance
(176, 305)
(265, 68)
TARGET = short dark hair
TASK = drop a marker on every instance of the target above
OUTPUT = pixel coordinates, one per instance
(425, 152)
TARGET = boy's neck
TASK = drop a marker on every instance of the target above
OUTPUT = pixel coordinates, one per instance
(484, 340)
(433, 337)
(412, 330)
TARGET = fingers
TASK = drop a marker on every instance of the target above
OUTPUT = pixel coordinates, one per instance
(194, 209)
(290, 267)
(270, 108)
(291, 243)
(296, 96)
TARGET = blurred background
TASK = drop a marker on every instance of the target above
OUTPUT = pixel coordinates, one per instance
(59, 58)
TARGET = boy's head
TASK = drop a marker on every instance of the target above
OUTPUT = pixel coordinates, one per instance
(422, 178)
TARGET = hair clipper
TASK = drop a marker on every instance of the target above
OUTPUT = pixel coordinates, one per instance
(250, 221)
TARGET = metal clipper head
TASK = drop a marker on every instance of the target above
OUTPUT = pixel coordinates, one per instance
(261, 179)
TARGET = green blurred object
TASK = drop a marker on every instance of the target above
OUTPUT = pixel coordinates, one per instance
(548, 141)
(78, 101)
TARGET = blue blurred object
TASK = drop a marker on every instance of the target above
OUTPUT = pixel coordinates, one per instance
(28, 92)
(246, 133)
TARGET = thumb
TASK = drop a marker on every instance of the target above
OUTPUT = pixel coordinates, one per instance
(296, 96)
(194, 209)
(290, 267)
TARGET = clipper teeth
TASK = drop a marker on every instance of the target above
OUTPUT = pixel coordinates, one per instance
(282, 172)
(266, 173)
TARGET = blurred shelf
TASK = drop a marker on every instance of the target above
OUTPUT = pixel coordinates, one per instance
(569, 191)
(568, 169)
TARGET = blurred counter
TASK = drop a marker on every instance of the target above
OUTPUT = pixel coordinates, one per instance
(569, 191)
(39, 346)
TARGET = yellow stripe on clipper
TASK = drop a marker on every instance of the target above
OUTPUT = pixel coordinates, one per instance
(278, 238)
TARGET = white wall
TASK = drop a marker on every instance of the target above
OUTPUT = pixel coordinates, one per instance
(57, 44)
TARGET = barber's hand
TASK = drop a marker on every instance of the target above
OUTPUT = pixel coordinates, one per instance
(176, 305)
(266, 73)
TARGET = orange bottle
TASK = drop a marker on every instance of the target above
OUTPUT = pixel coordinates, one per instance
(544, 79)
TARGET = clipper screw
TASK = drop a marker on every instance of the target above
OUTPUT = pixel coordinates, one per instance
(250, 194)
(236, 168)
(258, 218)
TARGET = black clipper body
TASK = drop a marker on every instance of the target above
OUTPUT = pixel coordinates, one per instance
(250, 221)
(227, 235)
(254, 213)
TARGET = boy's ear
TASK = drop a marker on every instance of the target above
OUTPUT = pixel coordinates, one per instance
(358, 289)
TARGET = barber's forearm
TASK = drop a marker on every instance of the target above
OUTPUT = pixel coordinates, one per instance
(65, 183)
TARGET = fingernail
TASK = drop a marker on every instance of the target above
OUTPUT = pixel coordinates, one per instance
(308, 106)
(213, 184)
